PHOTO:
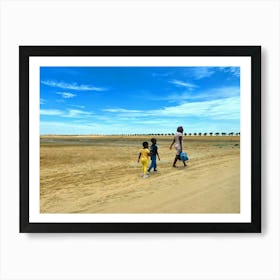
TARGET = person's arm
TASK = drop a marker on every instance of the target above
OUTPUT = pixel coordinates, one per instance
(158, 155)
(139, 157)
(172, 144)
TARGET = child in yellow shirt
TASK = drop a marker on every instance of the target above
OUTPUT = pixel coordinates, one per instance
(144, 156)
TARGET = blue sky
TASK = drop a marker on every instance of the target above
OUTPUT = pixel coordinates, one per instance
(121, 100)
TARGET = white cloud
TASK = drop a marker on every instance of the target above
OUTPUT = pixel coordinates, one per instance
(215, 93)
(69, 113)
(121, 110)
(218, 103)
(49, 127)
(54, 127)
(235, 71)
(72, 86)
(79, 106)
(50, 112)
(226, 108)
(200, 72)
(72, 113)
(66, 94)
(183, 84)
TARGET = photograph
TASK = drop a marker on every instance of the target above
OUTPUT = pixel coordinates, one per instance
(140, 139)
(111, 139)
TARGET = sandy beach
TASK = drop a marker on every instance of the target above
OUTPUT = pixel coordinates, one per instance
(100, 174)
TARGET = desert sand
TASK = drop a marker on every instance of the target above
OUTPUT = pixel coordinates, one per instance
(100, 174)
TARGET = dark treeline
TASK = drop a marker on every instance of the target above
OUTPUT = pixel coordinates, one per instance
(185, 134)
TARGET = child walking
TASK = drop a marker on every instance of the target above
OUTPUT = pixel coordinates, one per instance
(154, 154)
(144, 156)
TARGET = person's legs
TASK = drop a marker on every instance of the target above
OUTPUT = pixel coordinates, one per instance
(153, 164)
(145, 166)
(145, 169)
(175, 160)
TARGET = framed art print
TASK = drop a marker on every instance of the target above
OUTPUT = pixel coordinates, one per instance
(140, 139)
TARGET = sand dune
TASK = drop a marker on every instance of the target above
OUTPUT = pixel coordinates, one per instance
(101, 175)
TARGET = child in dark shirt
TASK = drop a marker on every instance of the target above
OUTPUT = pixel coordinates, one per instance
(154, 154)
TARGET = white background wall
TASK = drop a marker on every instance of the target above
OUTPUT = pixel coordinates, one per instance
(139, 256)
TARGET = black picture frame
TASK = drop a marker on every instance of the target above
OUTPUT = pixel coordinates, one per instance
(254, 52)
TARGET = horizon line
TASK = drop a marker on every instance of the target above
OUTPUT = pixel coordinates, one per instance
(148, 134)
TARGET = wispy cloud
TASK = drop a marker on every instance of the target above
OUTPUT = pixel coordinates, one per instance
(198, 73)
(69, 113)
(67, 94)
(50, 112)
(227, 108)
(183, 84)
(121, 110)
(235, 71)
(79, 106)
(57, 127)
(42, 101)
(198, 95)
(72, 113)
(72, 86)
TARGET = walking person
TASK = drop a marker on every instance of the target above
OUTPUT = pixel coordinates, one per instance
(144, 156)
(178, 141)
(154, 154)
